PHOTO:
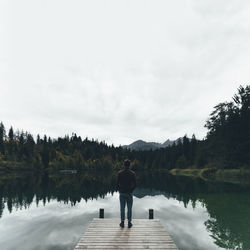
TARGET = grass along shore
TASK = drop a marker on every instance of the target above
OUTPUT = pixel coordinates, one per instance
(230, 175)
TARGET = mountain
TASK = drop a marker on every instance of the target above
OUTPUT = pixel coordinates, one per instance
(143, 145)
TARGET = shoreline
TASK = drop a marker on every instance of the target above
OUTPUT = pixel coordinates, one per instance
(226, 175)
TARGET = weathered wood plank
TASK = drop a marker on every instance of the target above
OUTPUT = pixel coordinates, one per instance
(164, 246)
(124, 241)
(114, 234)
(97, 237)
(128, 247)
(106, 234)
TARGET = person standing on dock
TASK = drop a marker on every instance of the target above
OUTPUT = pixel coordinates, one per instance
(126, 183)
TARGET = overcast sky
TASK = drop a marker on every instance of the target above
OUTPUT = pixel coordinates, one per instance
(120, 70)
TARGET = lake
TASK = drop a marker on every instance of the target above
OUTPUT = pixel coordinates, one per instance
(53, 211)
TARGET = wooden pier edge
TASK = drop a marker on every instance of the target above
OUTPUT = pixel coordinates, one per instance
(150, 213)
(144, 234)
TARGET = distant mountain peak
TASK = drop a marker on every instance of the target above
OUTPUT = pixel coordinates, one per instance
(143, 145)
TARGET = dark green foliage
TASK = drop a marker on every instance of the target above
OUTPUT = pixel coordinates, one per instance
(228, 138)
(2, 136)
(226, 146)
(11, 134)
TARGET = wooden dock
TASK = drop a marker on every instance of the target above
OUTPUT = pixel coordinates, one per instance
(106, 234)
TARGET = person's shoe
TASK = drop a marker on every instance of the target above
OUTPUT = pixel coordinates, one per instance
(130, 224)
(122, 224)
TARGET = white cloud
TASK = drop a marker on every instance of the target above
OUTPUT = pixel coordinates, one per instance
(120, 70)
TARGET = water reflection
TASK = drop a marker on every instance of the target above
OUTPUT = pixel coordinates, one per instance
(55, 210)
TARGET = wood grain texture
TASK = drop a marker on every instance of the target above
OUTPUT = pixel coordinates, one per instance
(106, 234)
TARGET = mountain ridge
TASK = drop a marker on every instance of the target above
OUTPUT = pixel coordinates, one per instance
(143, 145)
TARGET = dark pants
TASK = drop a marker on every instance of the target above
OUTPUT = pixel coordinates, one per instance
(126, 198)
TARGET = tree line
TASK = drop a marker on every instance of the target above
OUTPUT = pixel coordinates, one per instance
(226, 145)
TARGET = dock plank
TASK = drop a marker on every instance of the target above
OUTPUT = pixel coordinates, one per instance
(106, 234)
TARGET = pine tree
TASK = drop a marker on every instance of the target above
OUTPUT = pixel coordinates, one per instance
(11, 134)
(2, 138)
(38, 140)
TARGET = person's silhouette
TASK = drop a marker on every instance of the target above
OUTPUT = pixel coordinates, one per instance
(126, 183)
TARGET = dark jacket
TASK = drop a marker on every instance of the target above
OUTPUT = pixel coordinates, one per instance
(126, 181)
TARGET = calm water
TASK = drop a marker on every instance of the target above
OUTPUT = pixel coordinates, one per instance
(52, 212)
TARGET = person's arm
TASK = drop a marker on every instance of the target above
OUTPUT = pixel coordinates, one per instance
(117, 181)
(133, 182)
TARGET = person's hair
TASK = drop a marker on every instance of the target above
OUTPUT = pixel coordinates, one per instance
(126, 163)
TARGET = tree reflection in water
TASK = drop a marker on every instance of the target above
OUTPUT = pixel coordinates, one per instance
(227, 204)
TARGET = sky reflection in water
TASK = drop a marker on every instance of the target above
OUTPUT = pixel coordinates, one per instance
(59, 226)
(52, 212)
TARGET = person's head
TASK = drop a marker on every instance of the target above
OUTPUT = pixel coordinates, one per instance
(126, 163)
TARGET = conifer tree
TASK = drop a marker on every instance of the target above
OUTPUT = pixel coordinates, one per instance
(11, 134)
(2, 138)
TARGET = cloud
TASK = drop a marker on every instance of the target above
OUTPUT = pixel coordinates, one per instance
(119, 71)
